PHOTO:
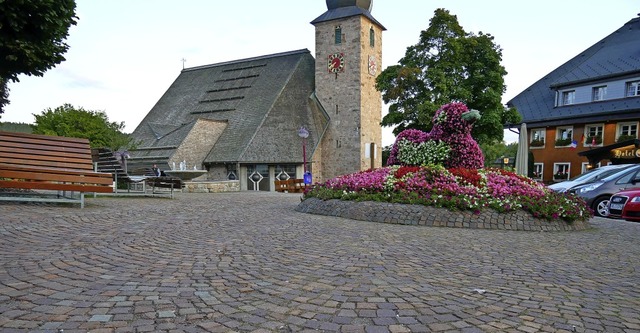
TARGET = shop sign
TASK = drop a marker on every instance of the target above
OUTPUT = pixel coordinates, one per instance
(625, 153)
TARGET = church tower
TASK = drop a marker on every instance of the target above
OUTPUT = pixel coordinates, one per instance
(348, 60)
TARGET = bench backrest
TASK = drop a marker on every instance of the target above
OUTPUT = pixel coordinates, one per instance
(32, 161)
(21, 149)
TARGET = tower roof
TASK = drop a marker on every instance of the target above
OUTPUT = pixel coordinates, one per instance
(339, 9)
(364, 4)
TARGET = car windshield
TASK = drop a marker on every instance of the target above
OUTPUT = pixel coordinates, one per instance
(620, 172)
(597, 174)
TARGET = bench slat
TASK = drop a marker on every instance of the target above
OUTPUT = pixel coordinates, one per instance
(57, 177)
(7, 160)
(54, 186)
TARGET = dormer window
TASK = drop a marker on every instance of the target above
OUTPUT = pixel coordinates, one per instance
(568, 97)
(599, 93)
(338, 33)
(633, 88)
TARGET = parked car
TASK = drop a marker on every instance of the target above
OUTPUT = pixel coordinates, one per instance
(589, 176)
(625, 204)
(598, 193)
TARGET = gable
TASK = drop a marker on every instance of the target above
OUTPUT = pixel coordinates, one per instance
(615, 56)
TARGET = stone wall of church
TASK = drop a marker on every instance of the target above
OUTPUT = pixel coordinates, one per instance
(198, 143)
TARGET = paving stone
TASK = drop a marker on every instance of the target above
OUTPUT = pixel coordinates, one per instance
(248, 261)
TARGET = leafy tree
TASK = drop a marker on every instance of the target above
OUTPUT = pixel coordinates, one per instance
(79, 123)
(494, 150)
(447, 65)
(32, 38)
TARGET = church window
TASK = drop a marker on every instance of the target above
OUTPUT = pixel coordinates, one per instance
(372, 37)
(338, 33)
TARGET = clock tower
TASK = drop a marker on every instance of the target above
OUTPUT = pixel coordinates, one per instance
(348, 60)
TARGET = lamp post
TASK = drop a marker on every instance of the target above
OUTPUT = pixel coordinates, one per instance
(304, 134)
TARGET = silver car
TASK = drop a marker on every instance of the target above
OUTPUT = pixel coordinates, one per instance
(598, 193)
(589, 176)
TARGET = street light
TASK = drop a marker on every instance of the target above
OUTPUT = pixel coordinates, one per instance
(304, 134)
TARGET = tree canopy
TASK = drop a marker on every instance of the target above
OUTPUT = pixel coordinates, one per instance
(32, 38)
(68, 121)
(447, 65)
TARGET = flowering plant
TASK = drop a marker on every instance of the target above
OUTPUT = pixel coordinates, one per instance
(537, 143)
(456, 189)
(561, 175)
(443, 168)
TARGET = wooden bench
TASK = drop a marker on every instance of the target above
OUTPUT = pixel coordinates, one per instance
(48, 163)
(290, 185)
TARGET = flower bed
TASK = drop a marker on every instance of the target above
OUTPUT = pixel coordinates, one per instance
(439, 176)
(471, 191)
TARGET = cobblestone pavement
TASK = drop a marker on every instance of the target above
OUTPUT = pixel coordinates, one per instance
(247, 262)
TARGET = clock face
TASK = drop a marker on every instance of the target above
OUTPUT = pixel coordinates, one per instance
(335, 63)
(373, 65)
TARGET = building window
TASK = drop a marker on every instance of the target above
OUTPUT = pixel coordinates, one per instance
(633, 88)
(537, 138)
(568, 97)
(593, 135)
(564, 136)
(372, 37)
(338, 33)
(561, 171)
(599, 93)
(587, 167)
(538, 171)
(627, 131)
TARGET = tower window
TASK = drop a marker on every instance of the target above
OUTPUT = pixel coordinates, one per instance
(338, 35)
(372, 38)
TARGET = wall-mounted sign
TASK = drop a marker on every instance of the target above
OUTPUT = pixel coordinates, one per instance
(625, 152)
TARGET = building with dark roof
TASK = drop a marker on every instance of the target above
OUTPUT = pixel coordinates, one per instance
(590, 102)
(240, 120)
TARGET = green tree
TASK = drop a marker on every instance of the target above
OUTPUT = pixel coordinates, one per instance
(447, 65)
(494, 150)
(32, 38)
(79, 123)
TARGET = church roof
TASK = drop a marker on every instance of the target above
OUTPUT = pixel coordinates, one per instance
(615, 56)
(344, 12)
(263, 100)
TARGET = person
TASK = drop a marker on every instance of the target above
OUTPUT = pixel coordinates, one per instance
(156, 171)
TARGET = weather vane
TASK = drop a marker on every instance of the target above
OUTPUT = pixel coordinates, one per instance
(183, 61)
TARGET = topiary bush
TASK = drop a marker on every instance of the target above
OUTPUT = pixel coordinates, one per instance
(449, 143)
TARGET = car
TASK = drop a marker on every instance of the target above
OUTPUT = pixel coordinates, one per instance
(626, 205)
(589, 176)
(597, 193)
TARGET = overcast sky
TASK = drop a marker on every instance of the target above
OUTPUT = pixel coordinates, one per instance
(124, 54)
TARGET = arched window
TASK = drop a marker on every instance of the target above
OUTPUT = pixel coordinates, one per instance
(338, 34)
(372, 37)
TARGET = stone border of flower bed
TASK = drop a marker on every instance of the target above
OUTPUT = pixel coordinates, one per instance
(394, 213)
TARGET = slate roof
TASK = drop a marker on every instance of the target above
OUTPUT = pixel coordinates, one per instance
(344, 12)
(615, 56)
(264, 100)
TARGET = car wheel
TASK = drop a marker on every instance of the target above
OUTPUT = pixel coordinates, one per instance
(600, 207)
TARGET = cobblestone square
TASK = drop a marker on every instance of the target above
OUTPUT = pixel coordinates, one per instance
(247, 262)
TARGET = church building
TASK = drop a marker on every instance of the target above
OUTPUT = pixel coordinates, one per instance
(260, 119)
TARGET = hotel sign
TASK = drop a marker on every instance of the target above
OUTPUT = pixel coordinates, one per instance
(628, 152)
